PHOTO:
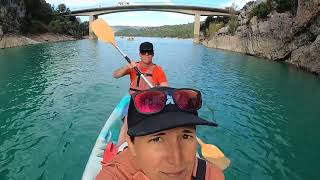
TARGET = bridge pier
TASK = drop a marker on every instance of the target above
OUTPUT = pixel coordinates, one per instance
(196, 36)
(91, 33)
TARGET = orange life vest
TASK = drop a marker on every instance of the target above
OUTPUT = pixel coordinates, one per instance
(138, 84)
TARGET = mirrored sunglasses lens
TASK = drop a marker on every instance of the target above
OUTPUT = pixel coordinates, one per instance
(150, 102)
(189, 100)
(146, 52)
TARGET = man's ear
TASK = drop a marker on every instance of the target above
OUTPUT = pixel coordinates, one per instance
(131, 146)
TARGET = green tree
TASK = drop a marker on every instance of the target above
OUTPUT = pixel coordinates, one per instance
(233, 22)
(3, 2)
(261, 10)
(213, 28)
(62, 8)
(41, 17)
(285, 5)
(180, 31)
(265, 7)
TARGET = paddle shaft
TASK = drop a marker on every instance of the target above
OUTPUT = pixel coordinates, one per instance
(135, 68)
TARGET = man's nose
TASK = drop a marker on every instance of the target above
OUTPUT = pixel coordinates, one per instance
(174, 154)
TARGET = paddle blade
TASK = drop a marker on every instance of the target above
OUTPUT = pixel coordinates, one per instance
(103, 31)
(211, 151)
(214, 155)
(222, 163)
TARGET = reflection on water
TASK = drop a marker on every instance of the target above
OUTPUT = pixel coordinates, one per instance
(54, 99)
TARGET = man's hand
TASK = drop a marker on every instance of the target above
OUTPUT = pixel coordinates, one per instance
(124, 70)
(132, 65)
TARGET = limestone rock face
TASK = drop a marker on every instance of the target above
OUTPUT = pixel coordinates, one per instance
(280, 37)
(13, 40)
(223, 31)
(315, 27)
(307, 57)
(307, 9)
(244, 16)
(9, 41)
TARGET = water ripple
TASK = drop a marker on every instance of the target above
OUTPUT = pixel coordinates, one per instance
(54, 99)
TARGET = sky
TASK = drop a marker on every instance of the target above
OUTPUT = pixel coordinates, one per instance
(150, 18)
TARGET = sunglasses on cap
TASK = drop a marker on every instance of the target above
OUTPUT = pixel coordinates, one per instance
(147, 52)
(154, 101)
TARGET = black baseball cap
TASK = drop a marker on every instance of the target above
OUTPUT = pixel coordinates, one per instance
(146, 46)
(170, 117)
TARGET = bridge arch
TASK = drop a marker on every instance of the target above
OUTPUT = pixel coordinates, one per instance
(197, 11)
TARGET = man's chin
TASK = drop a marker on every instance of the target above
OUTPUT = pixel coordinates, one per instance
(147, 62)
(179, 175)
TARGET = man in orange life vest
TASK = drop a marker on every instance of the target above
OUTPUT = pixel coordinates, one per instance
(161, 139)
(153, 73)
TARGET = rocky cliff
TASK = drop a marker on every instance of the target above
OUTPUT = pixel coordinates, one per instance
(284, 37)
(15, 40)
(25, 22)
(11, 15)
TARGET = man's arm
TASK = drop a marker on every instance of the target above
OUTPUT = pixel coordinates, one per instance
(161, 77)
(121, 72)
(124, 70)
(164, 84)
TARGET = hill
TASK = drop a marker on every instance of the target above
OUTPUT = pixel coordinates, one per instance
(179, 31)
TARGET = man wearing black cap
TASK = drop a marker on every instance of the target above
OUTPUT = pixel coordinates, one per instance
(161, 139)
(153, 72)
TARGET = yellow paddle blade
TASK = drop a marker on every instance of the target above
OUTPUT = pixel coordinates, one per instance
(214, 155)
(209, 150)
(222, 163)
(103, 31)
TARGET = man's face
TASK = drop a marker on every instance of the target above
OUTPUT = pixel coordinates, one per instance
(146, 56)
(166, 155)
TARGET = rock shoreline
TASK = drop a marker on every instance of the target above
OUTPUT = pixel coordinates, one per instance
(280, 37)
(16, 40)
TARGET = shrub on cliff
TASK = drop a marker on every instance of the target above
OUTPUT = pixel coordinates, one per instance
(38, 10)
(285, 5)
(264, 8)
(3, 2)
(56, 26)
(261, 10)
(212, 24)
(41, 17)
(213, 28)
(233, 22)
(36, 27)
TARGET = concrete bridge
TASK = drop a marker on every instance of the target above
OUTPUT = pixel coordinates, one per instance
(189, 10)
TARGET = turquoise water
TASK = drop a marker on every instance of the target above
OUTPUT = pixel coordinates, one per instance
(55, 98)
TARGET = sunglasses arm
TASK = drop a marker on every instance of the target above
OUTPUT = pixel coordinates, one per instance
(135, 68)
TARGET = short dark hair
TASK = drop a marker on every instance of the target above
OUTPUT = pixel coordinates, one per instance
(132, 139)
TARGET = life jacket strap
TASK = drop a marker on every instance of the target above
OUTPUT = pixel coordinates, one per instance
(201, 170)
(145, 74)
(136, 90)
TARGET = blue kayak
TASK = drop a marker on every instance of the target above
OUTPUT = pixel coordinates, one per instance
(93, 166)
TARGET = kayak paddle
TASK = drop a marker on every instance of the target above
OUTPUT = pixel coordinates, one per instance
(105, 33)
(214, 155)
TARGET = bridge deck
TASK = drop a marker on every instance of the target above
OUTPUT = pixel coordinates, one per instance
(191, 10)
